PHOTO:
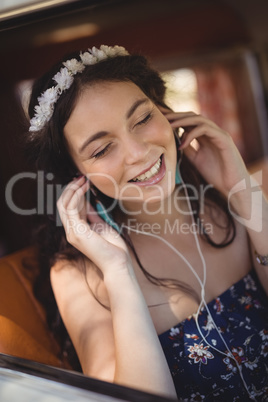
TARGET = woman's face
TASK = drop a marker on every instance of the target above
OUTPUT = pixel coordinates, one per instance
(122, 142)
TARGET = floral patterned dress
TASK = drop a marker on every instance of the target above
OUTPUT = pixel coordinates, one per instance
(233, 365)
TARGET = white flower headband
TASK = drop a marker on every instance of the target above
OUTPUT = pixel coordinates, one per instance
(64, 79)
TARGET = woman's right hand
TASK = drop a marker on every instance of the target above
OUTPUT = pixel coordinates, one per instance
(97, 241)
(129, 320)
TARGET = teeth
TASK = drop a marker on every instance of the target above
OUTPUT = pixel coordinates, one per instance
(150, 173)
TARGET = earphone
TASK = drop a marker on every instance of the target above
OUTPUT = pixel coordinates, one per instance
(202, 284)
(105, 216)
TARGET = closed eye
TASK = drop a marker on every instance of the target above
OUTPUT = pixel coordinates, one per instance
(102, 152)
(146, 119)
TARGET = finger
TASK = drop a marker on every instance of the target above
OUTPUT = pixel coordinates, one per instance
(203, 132)
(71, 201)
(78, 203)
(189, 119)
(78, 200)
(97, 242)
(69, 191)
(71, 214)
(173, 116)
(191, 153)
(164, 110)
(182, 114)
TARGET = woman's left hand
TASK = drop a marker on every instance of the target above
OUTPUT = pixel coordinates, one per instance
(215, 155)
(220, 163)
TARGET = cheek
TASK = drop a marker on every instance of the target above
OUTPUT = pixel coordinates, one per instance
(163, 131)
(105, 183)
(105, 175)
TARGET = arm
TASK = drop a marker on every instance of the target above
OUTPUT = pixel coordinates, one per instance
(90, 327)
(251, 206)
(220, 163)
(138, 359)
(120, 345)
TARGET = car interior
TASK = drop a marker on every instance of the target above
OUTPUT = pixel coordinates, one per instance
(214, 57)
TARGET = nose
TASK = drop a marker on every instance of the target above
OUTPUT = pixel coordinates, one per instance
(135, 150)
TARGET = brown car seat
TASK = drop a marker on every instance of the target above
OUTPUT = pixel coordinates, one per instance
(23, 329)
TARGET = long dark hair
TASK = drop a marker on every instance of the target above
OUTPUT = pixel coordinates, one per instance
(48, 151)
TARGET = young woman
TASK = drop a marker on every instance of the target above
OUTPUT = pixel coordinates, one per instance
(160, 268)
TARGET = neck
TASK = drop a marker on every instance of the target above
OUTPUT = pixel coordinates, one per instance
(157, 216)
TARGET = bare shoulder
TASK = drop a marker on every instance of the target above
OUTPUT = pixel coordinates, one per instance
(84, 306)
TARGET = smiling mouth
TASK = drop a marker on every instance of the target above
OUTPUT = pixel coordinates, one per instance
(150, 173)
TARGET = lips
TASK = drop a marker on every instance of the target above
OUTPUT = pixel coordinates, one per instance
(149, 173)
(151, 176)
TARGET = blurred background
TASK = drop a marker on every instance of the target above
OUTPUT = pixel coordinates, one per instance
(212, 53)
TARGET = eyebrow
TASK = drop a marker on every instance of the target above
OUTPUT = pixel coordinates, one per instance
(101, 134)
(94, 137)
(135, 106)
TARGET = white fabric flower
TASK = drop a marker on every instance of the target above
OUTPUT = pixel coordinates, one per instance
(98, 53)
(112, 51)
(64, 79)
(35, 124)
(120, 51)
(108, 50)
(45, 109)
(74, 66)
(88, 59)
(42, 115)
(49, 96)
